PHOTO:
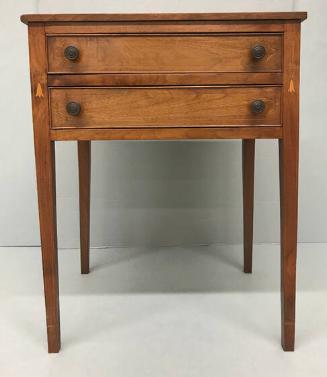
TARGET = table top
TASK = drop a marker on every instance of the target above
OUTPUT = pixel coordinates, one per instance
(115, 17)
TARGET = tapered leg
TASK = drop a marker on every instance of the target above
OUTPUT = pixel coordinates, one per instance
(248, 154)
(84, 164)
(288, 167)
(45, 170)
(45, 174)
(288, 150)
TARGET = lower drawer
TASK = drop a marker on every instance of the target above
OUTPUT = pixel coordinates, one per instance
(141, 107)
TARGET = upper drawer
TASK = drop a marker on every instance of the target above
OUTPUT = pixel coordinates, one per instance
(164, 53)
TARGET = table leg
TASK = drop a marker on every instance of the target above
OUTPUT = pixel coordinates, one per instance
(248, 154)
(288, 168)
(45, 172)
(288, 150)
(46, 181)
(84, 165)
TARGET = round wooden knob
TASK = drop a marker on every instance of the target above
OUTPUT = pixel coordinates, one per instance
(71, 53)
(73, 108)
(258, 52)
(258, 106)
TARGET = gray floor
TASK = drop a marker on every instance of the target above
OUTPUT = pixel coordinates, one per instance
(179, 311)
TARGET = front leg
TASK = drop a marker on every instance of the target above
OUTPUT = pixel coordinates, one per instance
(45, 171)
(288, 150)
(288, 163)
(46, 182)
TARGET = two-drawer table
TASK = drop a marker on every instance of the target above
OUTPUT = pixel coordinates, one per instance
(164, 77)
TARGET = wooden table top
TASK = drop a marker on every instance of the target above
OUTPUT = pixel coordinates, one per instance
(116, 17)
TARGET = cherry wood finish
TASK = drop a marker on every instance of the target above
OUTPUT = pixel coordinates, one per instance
(248, 153)
(243, 16)
(165, 77)
(164, 53)
(46, 183)
(168, 27)
(161, 133)
(160, 79)
(164, 107)
(288, 161)
(84, 168)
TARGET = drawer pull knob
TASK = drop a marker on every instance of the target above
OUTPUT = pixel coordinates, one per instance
(71, 53)
(258, 107)
(73, 108)
(258, 52)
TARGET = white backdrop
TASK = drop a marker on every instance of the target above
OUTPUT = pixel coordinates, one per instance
(160, 193)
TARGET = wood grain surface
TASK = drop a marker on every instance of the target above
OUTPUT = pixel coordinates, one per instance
(164, 107)
(180, 133)
(165, 53)
(288, 162)
(160, 79)
(107, 17)
(171, 27)
(46, 183)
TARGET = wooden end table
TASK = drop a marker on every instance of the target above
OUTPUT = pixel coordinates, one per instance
(165, 77)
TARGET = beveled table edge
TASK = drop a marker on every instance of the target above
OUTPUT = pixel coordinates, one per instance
(138, 17)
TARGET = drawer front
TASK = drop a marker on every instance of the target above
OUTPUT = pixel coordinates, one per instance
(164, 107)
(164, 53)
